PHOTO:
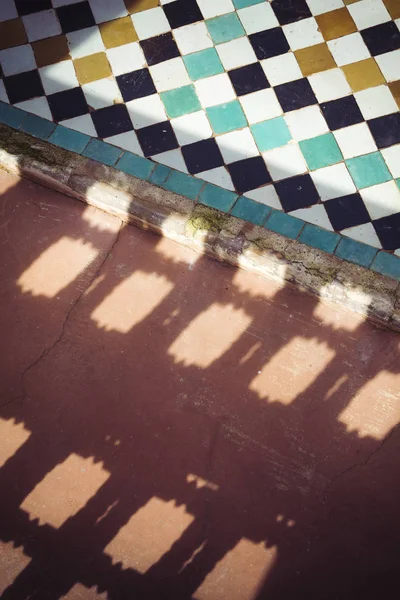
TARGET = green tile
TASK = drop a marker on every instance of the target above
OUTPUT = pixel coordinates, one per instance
(102, 152)
(203, 64)
(69, 139)
(369, 169)
(183, 184)
(398, 182)
(315, 236)
(387, 264)
(280, 222)
(225, 28)
(217, 197)
(251, 211)
(37, 126)
(9, 115)
(321, 151)
(226, 117)
(135, 165)
(245, 3)
(355, 252)
(271, 134)
(160, 174)
(181, 101)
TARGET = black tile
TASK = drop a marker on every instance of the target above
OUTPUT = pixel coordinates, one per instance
(160, 48)
(249, 174)
(342, 112)
(23, 86)
(382, 38)
(25, 7)
(250, 78)
(75, 16)
(202, 156)
(386, 130)
(297, 192)
(157, 138)
(182, 12)
(136, 84)
(271, 42)
(347, 211)
(289, 11)
(295, 94)
(388, 231)
(111, 120)
(68, 104)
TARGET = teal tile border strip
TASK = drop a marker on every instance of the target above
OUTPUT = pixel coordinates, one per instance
(197, 190)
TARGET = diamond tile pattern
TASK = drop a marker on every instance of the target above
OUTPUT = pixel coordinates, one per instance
(294, 103)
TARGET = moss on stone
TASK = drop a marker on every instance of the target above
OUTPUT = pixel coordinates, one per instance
(29, 148)
(206, 219)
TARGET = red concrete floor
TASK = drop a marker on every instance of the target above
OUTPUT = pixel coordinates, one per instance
(174, 428)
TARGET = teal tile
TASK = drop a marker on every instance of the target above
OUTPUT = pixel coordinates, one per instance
(69, 139)
(183, 184)
(315, 236)
(387, 264)
(203, 64)
(249, 210)
(321, 151)
(280, 222)
(355, 252)
(180, 101)
(135, 165)
(160, 174)
(11, 116)
(226, 117)
(271, 134)
(217, 197)
(368, 170)
(37, 126)
(102, 152)
(398, 182)
(245, 3)
(225, 28)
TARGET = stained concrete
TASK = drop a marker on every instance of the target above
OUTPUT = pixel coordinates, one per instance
(174, 428)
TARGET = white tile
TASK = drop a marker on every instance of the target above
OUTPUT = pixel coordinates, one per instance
(306, 123)
(41, 25)
(236, 53)
(214, 90)
(285, 162)
(397, 21)
(103, 92)
(302, 34)
(314, 214)
(355, 140)
(127, 141)
(3, 93)
(329, 85)
(266, 195)
(333, 182)
(381, 200)
(214, 8)
(348, 49)
(7, 10)
(258, 18)
(149, 23)
(106, 10)
(36, 106)
(173, 159)
(17, 60)
(146, 111)
(85, 42)
(397, 252)
(376, 102)
(84, 124)
(318, 7)
(363, 233)
(191, 128)
(192, 38)
(218, 176)
(367, 13)
(58, 77)
(237, 145)
(125, 59)
(57, 3)
(260, 106)
(392, 158)
(169, 75)
(281, 69)
(389, 64)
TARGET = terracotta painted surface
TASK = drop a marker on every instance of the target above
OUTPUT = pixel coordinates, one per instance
(173, 428)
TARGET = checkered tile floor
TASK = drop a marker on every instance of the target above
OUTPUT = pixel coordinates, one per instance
(293, 103)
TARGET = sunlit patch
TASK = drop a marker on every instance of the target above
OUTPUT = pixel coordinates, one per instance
(13, 561)
(240, 574)
(12, 436)
(57, 267)
(337, 319)
(149, 534)
(336, 386)
(172, 251)
(80, 592)
(202, 483)
(211, 334)
(291, 370)
(100, 220)
(65, 490)
(131, 301)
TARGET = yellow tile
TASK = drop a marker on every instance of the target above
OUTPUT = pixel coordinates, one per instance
(118, 32)
(350, 1)
(336, 23)
(92, 68)
(12, 33)
(134, 6)
(394, 87)
(363, 74)
(393, 7)
(314, 59)
(51, 50)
